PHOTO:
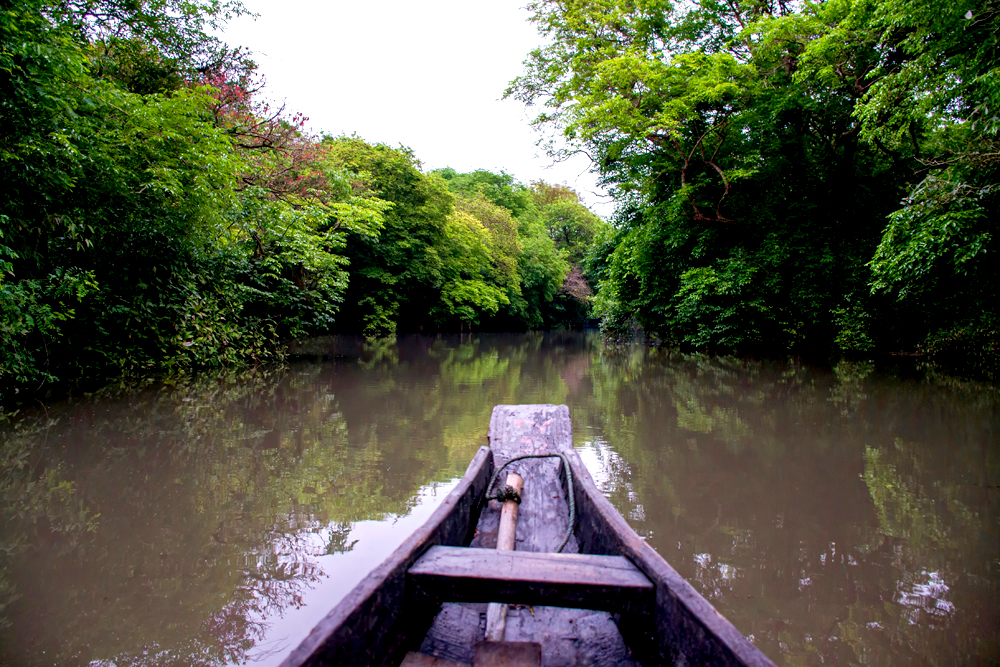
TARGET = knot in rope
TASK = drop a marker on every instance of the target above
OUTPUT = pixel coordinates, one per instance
(506, 492)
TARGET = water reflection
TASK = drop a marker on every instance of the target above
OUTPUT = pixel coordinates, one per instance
(210, 501)
(836, 516)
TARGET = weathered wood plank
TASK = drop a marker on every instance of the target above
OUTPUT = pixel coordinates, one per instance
(373, 625)
(609, 583)
(570, 637)
(414, 659)
(508, 654)
(536, 429)
(456, 631)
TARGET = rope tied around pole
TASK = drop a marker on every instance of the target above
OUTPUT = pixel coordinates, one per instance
(506, 492)
(517, 498)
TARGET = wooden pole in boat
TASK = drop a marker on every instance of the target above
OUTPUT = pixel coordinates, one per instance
(496, 612)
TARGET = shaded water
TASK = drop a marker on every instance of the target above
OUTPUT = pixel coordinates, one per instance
(835, 517)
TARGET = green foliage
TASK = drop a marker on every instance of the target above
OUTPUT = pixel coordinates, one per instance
(943, 227)
(397, 277)
(937, 100)
(502, 239)
(32, 313)
(158, 218)
(758, 154)
(154, 223)
(497, 200)
(722, 304)
(854, 324)
(542, 270)
(939, 69)
(456, 250)
(501, 189)
(570, 223)
(467, 267)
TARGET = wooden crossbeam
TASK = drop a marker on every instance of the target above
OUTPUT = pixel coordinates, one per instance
(580, 581)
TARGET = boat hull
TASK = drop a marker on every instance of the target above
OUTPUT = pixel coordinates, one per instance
(392, 611)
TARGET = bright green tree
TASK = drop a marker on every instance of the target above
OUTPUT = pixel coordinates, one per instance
(541, 268)
(396, 279)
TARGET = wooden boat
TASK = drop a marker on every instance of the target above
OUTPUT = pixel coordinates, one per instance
(609, 599)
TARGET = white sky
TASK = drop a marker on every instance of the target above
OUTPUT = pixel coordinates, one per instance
(428, 75)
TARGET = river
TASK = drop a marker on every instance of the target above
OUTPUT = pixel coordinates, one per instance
(835, 516)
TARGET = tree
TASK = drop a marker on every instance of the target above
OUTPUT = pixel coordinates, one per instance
(468, 268)
(936, 100)
(178, 222)
(570, 223)
(504, 244)
(541, 268)
(396, 279)
(749, 205)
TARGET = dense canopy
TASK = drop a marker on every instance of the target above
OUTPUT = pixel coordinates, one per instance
(816, 176)
(158, 216)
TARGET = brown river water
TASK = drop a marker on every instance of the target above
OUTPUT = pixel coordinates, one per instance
(845, 516)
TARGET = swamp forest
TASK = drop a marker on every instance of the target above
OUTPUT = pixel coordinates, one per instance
(781, 350)
(811, 179)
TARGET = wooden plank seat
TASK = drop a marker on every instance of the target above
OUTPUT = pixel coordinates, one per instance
(579, 581)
